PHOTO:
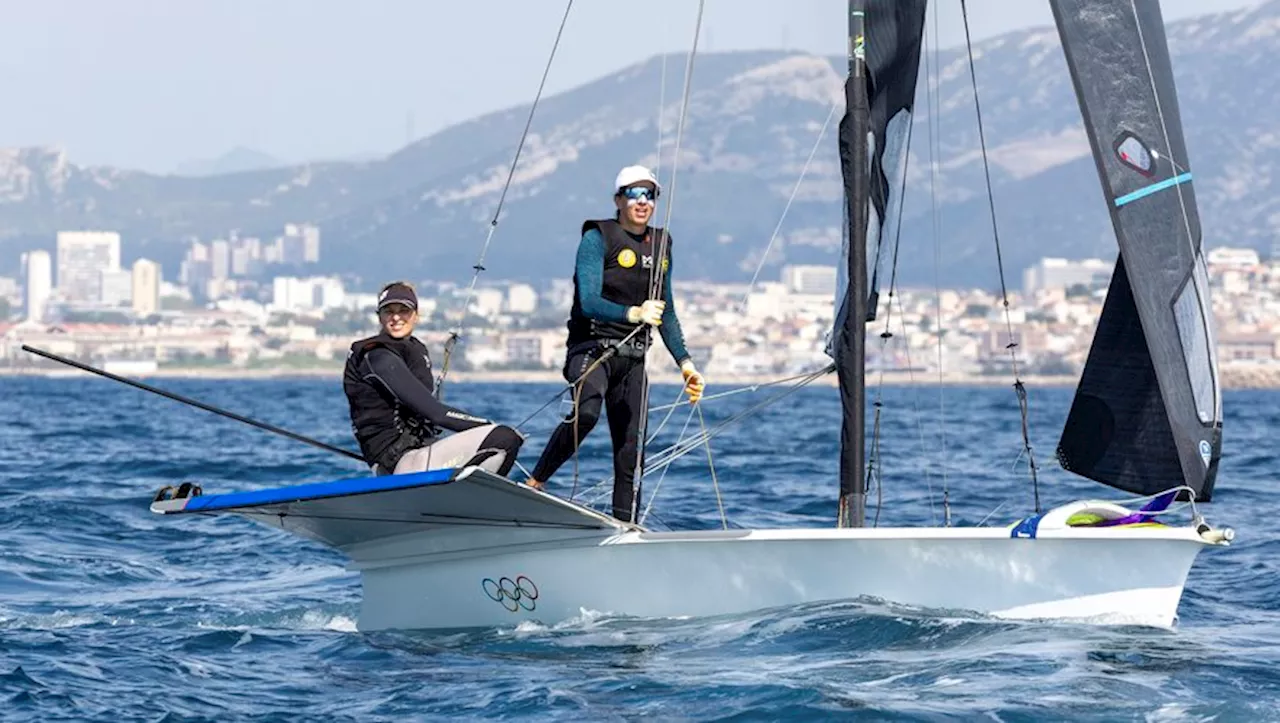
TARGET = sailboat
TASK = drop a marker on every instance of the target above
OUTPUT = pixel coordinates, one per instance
(461, 548)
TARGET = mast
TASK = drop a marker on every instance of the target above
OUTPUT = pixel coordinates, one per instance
(851, 336)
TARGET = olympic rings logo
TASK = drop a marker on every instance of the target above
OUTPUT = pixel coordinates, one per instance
(512, 594)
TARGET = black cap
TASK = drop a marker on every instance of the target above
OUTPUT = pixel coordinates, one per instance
(398, 294)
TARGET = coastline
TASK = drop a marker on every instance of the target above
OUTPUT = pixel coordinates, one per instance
(1233, 377)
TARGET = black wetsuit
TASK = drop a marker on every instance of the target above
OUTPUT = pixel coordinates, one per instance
(613, 271)
(391, 392)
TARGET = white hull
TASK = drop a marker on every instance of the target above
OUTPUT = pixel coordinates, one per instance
(1132, 576)
(445, 550)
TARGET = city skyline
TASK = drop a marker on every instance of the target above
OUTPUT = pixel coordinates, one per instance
(742, 331)
(89, 275)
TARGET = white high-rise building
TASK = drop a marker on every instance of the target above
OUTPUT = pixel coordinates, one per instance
(487, 303)
(1056, 273)
(522, 299)
(115, 288)
(300, 244)
(318, 292)
(310, 243)
(1237, 258)
(219, 260)
(329, 293)
(38, 278)
(146, 287)
(810, 279)
(10, 290)
(246, 256)
(286, 292)
(82, 257)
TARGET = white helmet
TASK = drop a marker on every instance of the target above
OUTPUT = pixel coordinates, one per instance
(635, 174)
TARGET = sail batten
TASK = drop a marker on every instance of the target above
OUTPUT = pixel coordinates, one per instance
(1147, 415)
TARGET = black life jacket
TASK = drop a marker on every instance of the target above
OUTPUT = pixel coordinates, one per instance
(384, 428)
(627, 264)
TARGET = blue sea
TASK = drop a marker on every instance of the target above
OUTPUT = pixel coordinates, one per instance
(109, 612)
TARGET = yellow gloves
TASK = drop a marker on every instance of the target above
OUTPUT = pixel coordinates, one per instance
(693, 381)
(650, 312)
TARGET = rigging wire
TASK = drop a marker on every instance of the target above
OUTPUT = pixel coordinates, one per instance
(576, 385)
(804, 379)
(741, 390)
(655, 271)
(683, 447)
(576, 394)
(671, 408)
(662, 102)
(1019, 388)
(755, 276)
(911, 381)
(715, 481)
(478, 268)
(656, 268)
(933, 86)
(817, 143)
(663, 476)
(568, 386)
(874, 461)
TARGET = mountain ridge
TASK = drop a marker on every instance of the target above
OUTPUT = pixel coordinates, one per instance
(753, 119)
(236, 160)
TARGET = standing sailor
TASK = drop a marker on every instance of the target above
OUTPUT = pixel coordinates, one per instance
(395, 415)
(612, 311)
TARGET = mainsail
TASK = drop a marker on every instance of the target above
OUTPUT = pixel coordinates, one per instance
(1147, 414)
(884, 60)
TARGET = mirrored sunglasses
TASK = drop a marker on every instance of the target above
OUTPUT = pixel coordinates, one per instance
(639, 194)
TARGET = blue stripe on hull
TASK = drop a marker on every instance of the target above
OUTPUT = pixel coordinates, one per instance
(1153, 188)
(317, 490)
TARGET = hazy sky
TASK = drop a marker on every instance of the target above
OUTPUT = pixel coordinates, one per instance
(152, 83)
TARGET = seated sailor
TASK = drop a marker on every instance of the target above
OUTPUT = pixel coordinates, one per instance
(395, 415)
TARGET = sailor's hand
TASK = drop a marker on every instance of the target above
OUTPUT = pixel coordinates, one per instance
(650, 312)
(693, 381)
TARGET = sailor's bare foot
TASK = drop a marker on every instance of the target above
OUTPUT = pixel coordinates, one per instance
(540, 486)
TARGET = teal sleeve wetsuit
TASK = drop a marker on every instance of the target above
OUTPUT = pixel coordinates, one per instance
(617, 381)
(590, 272)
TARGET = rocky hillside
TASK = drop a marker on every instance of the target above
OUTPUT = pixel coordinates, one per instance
(754, 117)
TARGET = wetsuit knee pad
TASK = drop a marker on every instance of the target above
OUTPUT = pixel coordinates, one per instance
(502, 437)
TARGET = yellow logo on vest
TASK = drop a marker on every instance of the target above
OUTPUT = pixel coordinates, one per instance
(627, 258)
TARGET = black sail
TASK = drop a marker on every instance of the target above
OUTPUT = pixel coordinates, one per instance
(1147, 415)
(879, 97)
